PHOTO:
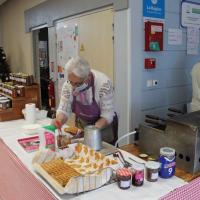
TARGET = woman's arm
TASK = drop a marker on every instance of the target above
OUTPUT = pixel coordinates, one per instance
(101, 123)
(64, 109)
(60, 119)
(106, 102)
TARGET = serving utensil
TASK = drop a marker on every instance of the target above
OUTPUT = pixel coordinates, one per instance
(124, 162)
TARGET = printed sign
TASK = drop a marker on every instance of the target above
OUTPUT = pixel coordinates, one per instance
(190, 14)
(154, 9)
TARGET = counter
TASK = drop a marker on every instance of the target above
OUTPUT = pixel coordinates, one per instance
(12, 130)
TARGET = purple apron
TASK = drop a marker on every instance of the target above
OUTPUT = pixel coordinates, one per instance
(88, 113)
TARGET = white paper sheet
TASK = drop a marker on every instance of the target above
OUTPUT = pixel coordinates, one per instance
(193, 40)
(175, 36)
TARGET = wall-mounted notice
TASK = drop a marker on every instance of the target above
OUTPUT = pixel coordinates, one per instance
(67, 47)
(175, 36)
(154, 9)
(190, 14)
(192, 40)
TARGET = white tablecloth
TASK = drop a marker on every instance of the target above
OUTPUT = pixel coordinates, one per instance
(12, 130)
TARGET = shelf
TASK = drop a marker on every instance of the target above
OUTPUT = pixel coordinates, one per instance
(18, 103)
(8, 96)
(6, 111)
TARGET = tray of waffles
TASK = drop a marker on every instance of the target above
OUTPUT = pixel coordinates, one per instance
(83, 171)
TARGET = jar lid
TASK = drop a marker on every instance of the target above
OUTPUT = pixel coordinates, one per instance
(123, 172)
(167, 151)
(152, 165)
(143, 155)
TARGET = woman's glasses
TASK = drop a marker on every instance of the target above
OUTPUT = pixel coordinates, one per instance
(76, 84)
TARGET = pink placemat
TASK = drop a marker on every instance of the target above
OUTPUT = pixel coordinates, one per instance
(191, 191)
(16, 181)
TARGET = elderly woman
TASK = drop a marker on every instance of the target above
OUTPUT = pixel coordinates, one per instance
(89, 94)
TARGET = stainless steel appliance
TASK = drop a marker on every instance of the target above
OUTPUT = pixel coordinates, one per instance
(181, 133)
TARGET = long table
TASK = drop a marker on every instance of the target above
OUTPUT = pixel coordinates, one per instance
(11, 131)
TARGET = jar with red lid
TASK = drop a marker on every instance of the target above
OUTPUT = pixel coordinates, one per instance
(124, 178)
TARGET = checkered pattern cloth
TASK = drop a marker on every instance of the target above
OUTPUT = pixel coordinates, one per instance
(16, 181)
(191, 191)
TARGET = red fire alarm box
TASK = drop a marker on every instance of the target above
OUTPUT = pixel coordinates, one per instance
(150, 63)
(154, 36)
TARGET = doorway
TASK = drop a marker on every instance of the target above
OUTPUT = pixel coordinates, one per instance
(43, 66)
(42, 70)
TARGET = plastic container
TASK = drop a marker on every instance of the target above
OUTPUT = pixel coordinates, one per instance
(47, 137)
(167, 160)
(152, 169)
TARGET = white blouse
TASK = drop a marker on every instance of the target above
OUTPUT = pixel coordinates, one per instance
(104, 96)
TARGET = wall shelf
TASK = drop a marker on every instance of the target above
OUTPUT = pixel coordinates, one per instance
(18, 103)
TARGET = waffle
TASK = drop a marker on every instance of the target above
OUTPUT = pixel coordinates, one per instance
(60, 171)
(72, 129)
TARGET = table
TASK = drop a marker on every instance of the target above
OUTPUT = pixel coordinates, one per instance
(134, 149)
(12, 130)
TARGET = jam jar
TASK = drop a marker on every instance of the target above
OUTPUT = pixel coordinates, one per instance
(152, 169)
(63, 141)
(124, 178)
(138, 174)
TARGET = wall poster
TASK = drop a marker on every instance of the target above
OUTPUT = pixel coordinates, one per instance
(190, 14)
(67, 47)
(154, 9)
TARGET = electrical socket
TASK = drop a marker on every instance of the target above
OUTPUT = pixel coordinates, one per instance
(154, 82)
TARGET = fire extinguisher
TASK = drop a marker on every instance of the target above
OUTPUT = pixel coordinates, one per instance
(51, 94)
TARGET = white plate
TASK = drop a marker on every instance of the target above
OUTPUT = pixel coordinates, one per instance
(31, 129)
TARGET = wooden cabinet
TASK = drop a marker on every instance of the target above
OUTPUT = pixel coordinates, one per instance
(18, 103)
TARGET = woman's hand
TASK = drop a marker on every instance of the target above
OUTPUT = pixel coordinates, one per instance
(101, 123)
(59, 120)
(56, 123)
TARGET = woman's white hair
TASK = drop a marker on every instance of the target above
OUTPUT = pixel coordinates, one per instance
(78, 66)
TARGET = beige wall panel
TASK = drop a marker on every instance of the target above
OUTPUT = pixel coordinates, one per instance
(96, 45)
(16, 43)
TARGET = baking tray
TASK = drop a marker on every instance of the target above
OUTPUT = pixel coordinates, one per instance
(98, 174)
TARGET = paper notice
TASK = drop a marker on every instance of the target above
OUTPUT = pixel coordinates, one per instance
(192, 40)
(175, 36)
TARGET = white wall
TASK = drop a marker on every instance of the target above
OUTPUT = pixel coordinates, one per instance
(16, 43)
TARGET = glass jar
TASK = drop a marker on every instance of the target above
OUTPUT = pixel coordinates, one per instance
(152, 168)
(124, 178)
(138, 175)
